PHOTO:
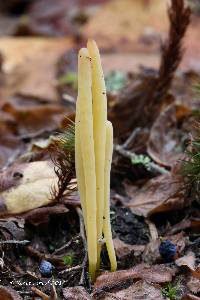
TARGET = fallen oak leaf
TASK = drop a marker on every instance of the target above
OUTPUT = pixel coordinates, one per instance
(33, 189)
(153, 274)
(139, 290)
(160, 194)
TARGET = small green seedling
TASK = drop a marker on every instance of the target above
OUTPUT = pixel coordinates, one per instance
(68, 259)
(169, 292)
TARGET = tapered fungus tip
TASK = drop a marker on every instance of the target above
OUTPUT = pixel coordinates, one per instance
(91, 44)
(83, 52)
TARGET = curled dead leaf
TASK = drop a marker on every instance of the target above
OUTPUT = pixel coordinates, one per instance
(165, 140)
(30, 187)
(189, 260)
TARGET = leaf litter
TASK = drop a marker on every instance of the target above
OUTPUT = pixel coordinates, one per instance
(154, 112)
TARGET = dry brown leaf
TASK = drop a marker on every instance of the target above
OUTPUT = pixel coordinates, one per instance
(122, 249)
(30, 115)
(154, 274)
(76, 293)
(164, 145)
(42, 214)
(138, 290)
(130, 25)
(7, 293)
(187, 260)
(163, 193)
(29, 188)
(27, 68)
(192, 223)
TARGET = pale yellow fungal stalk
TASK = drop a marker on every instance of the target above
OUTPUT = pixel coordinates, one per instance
(85, 159)
(106, 222)
(93, 155)
(99, 125)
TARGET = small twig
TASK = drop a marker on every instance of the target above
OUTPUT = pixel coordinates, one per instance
(75, 268)
(131, 138)
(54, 295)
(14, 242)
(40, 293)
(82, 233)
(132, 156)
(152, 229)
(65, 246)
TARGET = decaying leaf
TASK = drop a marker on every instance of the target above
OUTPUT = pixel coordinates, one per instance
(75, 293)
(41, 214)
(163, 193)
(153, 274)
(165, 141)
(189, 260)
(7, 293)
(30, 115)
(138, 290)
(122, 249)
(29, 188)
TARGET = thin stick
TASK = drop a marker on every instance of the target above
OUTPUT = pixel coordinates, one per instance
(40, 293)
(82, 233)
(131, 155)
(15, 242)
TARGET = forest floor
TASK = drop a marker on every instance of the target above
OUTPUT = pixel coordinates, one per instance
(151, 58)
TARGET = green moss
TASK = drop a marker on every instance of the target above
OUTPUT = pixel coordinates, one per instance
(169, 291)
(68, 259)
